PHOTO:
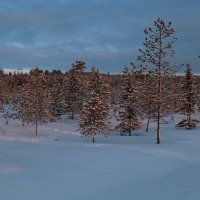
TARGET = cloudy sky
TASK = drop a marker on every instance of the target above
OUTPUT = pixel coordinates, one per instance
(53, 34)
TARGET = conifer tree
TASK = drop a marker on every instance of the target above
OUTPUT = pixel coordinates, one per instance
(95, 114)
(188, 101)
(79, 66)
(74, 88)
(198, 96)
(149, 96)
(2, 97)
(2, 91)
(129, 110)
(158, 48)
(71, 88)
(33, 99)
(56, 101)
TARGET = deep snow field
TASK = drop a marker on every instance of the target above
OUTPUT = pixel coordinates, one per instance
(62, 165)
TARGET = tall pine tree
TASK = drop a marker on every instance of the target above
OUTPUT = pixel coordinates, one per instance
(33, 99)
(158, 48)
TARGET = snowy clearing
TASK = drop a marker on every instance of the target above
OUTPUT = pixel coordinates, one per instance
(59, 164)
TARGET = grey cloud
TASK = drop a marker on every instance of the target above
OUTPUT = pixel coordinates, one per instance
(105, 33)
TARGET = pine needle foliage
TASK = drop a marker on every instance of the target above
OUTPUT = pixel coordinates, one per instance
(129, 109)
(154, 57)
(96, 112)
(33, 99)
(56, 101)
(74, 88)
(188, 100)
(148, 91)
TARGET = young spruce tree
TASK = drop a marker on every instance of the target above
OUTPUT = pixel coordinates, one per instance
(129, 109)
(74, 88)
(56, 101)
(95, 113)
(187, 101)
(33, 99)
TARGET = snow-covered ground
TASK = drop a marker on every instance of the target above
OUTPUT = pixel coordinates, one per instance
(61, 165)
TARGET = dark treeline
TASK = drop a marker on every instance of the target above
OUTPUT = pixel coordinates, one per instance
(63, 95)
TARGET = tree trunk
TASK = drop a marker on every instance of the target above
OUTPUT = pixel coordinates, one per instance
(190, 109)
(81, 107)
(129, 132)
(159, 91)
(36, 119)
(36, 126)
(37, 108)
(189, 119)
(72, 115)
(148, 122)
(159, 108)
(158, 129)
(93, 138)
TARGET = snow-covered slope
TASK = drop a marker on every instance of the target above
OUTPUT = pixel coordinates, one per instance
(61, 165)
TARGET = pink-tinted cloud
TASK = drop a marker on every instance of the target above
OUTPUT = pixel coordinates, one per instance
(9, 170)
